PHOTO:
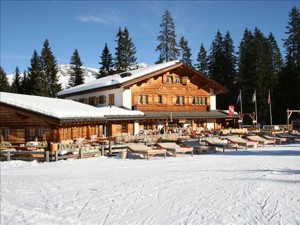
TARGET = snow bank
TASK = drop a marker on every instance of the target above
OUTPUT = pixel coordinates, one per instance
(255, 186)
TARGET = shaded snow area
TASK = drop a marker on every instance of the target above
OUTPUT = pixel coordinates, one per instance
(254, 186)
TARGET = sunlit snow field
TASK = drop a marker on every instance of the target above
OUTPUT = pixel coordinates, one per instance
(254, 186)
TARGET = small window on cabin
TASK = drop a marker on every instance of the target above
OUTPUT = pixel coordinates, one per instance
(195, 101)
(203, 101)
(180, 100)
(40, 134)
(6, 134)
(177, 79)
(31, 134)
(169, 79)
(139, 99)
(92, 101)
(145, 99)
(159, 99)
(102, 99)
(111, 99)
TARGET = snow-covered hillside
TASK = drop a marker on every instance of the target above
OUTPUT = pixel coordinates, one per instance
(63, 74)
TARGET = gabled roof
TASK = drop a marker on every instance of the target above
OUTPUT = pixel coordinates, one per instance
(132, 77)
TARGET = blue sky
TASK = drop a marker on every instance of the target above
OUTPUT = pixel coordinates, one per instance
(88, 25)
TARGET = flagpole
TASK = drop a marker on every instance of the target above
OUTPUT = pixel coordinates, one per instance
(241, 108)
(256, 117)
(269, 101)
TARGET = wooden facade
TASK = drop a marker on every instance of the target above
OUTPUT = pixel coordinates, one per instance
(178, 91)
(18, 126)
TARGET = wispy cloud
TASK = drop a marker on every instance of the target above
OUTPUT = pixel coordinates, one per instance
(106, 18)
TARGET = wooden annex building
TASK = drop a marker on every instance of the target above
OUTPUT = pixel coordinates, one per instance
(26, 118)
(171, 95)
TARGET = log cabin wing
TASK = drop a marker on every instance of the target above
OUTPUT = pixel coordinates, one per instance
(26, 118)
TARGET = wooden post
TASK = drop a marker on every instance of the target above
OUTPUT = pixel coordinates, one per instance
(56, 156)
(47, 156)
(80, 153)
(8, 155)
(110, 147)
(102, 150)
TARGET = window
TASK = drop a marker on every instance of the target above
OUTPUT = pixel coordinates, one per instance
(31, 134)
(83, 100)
(40, 134)
(159, 99)
(180, 100)
(6, 134)
(203, 101)
(195, 101)
(111, 99)
(102, 99)
(92, 101)
(143, 99)
(139, 99)
(169, 79)
(177, 79)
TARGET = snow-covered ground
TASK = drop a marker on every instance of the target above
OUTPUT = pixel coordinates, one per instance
(254, 186)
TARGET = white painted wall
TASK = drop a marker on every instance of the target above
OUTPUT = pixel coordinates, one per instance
(212, 100)
(127, 98)
(136, 127)
(122, 97)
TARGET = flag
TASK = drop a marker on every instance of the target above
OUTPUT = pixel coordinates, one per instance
(269, 98)
(254, 97)
(238, 99)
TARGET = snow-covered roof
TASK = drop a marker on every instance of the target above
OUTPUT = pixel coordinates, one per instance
(54, 107)
(117, 78)
(63, 108)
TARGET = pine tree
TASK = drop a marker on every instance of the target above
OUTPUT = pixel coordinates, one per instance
(106, 63)
(216, 58)
(247, 70)
(50, 70)
(17, 82)
(36, 77)
(222, 67)
(25, 85)
(76, 73)
(167, 40)
(4, 84)
(229, 72)
(185, 51)
(287, 94)
(202, 65)
(125, 51)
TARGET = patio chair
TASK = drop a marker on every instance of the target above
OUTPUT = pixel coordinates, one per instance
(261, 140)
(199, 147)
(175, 148)
(242, 142)
(278, 140)
(290, 138)
(216, 142)
(145, 150)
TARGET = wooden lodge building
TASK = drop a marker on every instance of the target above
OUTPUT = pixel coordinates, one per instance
(171, 95)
